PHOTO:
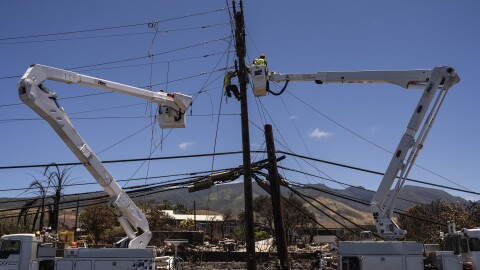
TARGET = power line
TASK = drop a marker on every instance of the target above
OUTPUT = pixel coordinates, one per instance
(157, 62)
(173, 186)
(73, 38)
(285, 142)
(110, 36)
(338, 182)
(157, 84)
(191, 174)
(189, 179)
(152, 188)
(104, 198)
(10, 77)
(329, 178)
(339, 124)
(397, 211)
(302, 196)
(115, 67)
(305, 146)
(152, 55)
(375, 172)
(232, 153)
(368, 141)
(169, 183)
(133, 194)
(6, 121)
(118, 160)
(112, 27)
(134, 58)
(311, 218)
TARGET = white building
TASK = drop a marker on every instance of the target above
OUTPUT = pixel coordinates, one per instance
(203, 218)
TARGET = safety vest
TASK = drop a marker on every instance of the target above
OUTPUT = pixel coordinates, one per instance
(259, 62)
(227, 80)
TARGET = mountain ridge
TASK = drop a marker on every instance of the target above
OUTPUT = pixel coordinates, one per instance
(230, 197)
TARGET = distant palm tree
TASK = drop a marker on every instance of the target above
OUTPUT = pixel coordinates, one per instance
(38, 202)
(57, 179)
(49, 193)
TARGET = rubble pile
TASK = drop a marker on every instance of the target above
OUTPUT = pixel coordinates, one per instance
(231, 254)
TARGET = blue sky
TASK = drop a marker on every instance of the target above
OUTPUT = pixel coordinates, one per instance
(191, 55)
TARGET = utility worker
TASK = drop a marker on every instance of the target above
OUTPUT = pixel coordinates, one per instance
(229, 87)
(259, 62)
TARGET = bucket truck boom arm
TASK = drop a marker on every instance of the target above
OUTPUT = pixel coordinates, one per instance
(434, 82)
(33, 92)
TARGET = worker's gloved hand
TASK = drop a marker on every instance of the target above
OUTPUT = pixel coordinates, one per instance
(228, 93)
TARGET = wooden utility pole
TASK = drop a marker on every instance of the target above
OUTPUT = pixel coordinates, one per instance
(275, 194)
(241, 50)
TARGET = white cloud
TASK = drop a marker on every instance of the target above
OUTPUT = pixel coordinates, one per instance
(185, 145)
(293, 117)
(318, 134)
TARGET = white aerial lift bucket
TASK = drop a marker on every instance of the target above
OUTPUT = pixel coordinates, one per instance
(259, 80)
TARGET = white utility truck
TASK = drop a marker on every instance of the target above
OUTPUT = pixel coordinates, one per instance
(29, 251)
(388, 254)
(466, 243)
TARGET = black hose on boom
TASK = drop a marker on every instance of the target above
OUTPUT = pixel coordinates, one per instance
(281, 91)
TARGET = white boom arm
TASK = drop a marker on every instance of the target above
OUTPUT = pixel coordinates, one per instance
(171, 114)
(439, 79)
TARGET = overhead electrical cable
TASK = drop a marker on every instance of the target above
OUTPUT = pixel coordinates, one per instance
(155, 62)
(149, 106)
(377, 173)
(206, 84)
(396, 211)
(346, 198)
(104, 93)
(305, 146)
(278, 131)
(108, 108)
(304, 197)
(190, 174)
(230, 153)
(284, 144)
(112, 35)
(119, 160)
(303, 212)
(148, 159)
(183, 181)
(174, 186)
(227, 58)
(296, 128)
(134, 58)
(4, 121)
(113, 27)
(368, 141)
(148, 56)
(74, 38)
(339, 182)
(301, 138)
(106, 198)
(123, 140)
